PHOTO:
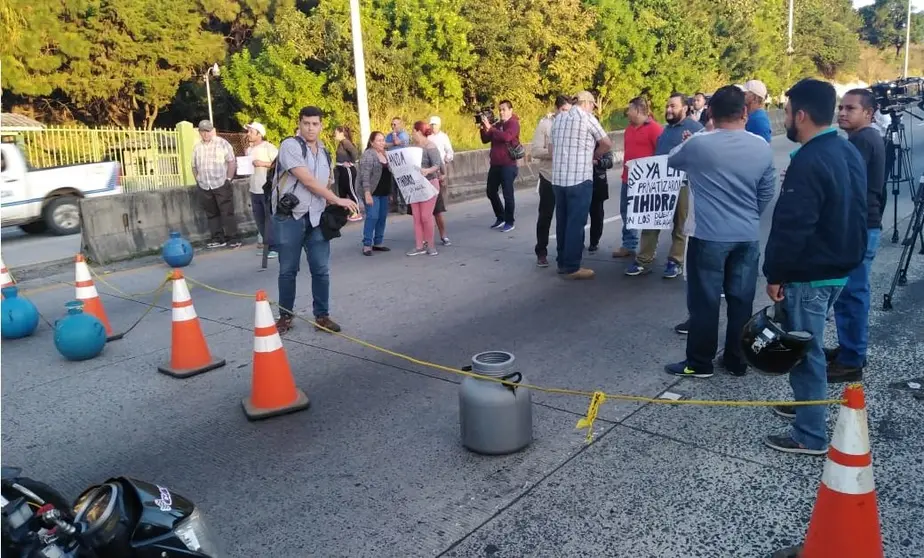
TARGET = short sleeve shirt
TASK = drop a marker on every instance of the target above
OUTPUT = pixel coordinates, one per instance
(318, 164)
(574, 138)
(210, 162)
(264, 152)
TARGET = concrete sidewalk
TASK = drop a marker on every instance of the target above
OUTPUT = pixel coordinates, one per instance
(375, 468)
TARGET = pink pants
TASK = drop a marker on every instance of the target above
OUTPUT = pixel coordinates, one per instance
(423, 222)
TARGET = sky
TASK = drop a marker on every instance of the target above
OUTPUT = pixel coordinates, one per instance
(916, 5)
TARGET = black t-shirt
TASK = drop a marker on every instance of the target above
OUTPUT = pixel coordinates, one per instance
(383, 188)
(871, 146)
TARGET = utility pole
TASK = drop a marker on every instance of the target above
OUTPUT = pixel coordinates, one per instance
(907, 40)
(790, 50)
(359, 61)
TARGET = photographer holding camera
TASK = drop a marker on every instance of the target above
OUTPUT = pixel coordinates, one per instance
(504, 137)
(299, 198)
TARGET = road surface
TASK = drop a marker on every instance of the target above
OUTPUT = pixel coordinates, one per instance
(375, 469)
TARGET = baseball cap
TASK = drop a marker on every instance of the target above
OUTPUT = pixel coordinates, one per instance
(756, 87)
(258, 127)
(585, 97)
(436, 120)
(206, 126)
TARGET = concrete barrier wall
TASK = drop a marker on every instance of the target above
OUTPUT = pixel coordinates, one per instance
(131, 225)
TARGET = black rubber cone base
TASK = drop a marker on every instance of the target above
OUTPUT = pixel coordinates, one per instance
(301, 403)
(186, 373)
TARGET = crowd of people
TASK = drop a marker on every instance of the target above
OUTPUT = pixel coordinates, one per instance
(824, 233)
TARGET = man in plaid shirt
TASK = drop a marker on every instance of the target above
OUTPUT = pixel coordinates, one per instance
(577, 142)
(213, 166)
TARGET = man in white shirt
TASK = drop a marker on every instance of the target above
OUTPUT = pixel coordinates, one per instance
(262, 154)
(578, 141)
(441, 140)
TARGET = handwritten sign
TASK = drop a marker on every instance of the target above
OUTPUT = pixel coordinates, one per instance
(245, 165)
(652, 193)
(405, 167)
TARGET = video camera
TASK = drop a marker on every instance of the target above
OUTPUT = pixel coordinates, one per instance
(898, 95)
(487, 113)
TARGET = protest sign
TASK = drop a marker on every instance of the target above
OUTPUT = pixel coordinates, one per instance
(405, 167)
(652, 193)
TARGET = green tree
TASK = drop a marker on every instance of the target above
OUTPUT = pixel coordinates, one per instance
(885, 24)
(826, 33)
(119, 64)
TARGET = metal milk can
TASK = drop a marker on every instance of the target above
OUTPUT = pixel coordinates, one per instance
(496, 419)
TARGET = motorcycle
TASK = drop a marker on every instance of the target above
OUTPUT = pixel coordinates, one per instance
(120, 518)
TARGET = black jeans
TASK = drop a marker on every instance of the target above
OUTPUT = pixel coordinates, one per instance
(218, 204)
(502, 177)
(546, 212)
(712, 267)
(601, 194)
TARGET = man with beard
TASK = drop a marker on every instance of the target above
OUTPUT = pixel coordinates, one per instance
(851, 311)
(678, 127)
(817, 239)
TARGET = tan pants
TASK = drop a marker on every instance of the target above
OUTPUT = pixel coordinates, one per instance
(648, 246)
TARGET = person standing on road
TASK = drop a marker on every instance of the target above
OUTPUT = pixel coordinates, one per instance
(851, 311)
(540, 150)
(678, 128)
(601, 186)
(441, 140)
(578, 142)
(345, 171)
(698, 113)
(817, 238)
(431, 167)
(262, 154)
(640, 140)
(755, 92)
(502, 135)
(732, 181)
(398, 139)
(213, 166)
(300, 195)
(375, 181)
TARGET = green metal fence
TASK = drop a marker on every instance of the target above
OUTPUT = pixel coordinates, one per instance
(150, 159)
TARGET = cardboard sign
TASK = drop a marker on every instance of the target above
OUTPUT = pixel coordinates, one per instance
(653, 189)
(405, 167)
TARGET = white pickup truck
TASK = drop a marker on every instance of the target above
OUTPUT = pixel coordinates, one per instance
(48, 199)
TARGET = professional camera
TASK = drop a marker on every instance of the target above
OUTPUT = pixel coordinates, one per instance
(605, 162)
(898, 95)
(286, 204)
(487, 113)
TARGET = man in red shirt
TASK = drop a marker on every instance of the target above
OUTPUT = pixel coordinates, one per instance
(640, 140)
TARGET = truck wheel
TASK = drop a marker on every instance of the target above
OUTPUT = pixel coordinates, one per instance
(35, 227)
(62, 215)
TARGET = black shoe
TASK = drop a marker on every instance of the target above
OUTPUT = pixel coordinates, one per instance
(786, 444)
(681, 369)
(593, 248)
(720, 362)
(683, 328)
(498, 224)
(839, 374)
(785, 411)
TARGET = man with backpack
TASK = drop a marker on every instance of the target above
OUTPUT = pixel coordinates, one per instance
(299, 197)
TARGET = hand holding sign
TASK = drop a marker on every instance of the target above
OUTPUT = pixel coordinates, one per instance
(405, 166)
(652, 193)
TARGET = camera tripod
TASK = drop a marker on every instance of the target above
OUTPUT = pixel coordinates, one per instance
(914, 233)
(898, 151)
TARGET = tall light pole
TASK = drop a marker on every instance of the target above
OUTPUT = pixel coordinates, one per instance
(213, 69)
(907, 40)
(789, 50)
(359, 65)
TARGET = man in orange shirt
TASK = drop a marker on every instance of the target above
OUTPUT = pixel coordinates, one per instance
(640, 140)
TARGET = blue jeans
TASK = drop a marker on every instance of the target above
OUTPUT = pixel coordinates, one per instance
(851, 311)
(807, 310)
(629, 236)
(374, 226)
(572, 206)
(711, 268)
(293, 235)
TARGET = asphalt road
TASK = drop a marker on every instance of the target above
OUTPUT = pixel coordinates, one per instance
(375, 468)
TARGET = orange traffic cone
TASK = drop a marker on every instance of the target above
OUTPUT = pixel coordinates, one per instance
(845, 521)
(86, 293)
(6, 280)
(273, 391)
(189, 353)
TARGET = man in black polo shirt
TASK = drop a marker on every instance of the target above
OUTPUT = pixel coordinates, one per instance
(818, 237)
(851, 311)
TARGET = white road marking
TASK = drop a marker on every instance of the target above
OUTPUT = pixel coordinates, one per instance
(587, 226)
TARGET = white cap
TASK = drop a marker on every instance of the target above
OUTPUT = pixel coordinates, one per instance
(436, 120)
(258, 127)
(756, 87)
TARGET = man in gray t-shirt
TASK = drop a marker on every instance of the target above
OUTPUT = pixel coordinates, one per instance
(300, 194)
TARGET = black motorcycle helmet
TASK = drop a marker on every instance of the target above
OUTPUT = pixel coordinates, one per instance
(767, 344)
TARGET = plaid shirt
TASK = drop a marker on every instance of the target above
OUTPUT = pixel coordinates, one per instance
(574, 138)
(210, 162)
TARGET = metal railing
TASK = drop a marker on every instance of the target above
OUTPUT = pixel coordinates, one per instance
(149, 159)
